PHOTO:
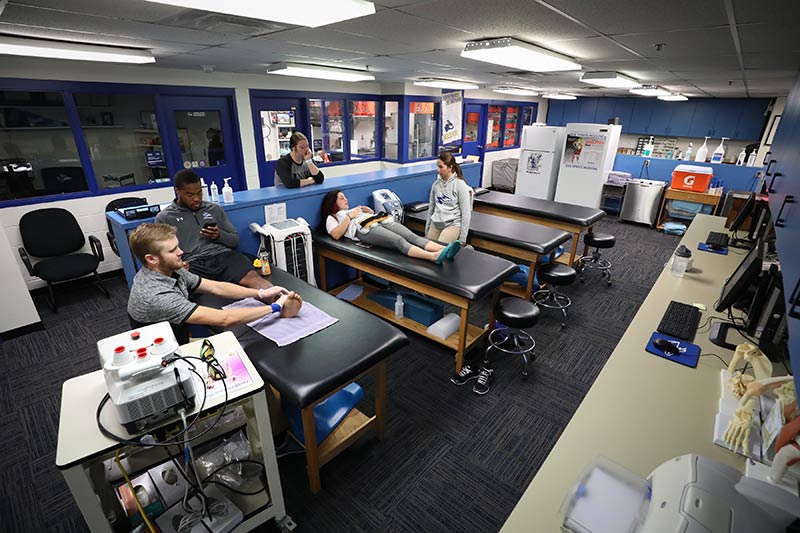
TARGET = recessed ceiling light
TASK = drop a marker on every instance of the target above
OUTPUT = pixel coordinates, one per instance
(312, 13)
(650, 90)
(17, 46)
(517, 54)
(673, 97)
(613, 80)
(445, 84)
(559, 96)
(319, 72)
(515, 91)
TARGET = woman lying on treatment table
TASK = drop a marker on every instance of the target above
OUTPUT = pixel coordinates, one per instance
(361, 224)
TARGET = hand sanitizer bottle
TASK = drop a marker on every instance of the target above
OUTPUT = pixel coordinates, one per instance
(702, 152)
(740, 159)
(688, 155)
(398, 306)
(214, 192)
(648, 148)
(719, 153)
(227, 192)
(751, 159)
(205, 189)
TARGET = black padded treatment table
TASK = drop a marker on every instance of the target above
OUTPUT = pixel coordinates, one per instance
(471, 276)
(507, 236)
(568, 217)
(312, 369)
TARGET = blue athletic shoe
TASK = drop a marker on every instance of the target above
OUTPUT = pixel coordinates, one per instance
(442, 256)
(452, 249)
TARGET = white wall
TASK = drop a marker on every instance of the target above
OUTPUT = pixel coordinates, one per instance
(18, 309)
(491, 157)
(777, 109)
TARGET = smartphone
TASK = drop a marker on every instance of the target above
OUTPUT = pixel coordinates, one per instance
(209, 225)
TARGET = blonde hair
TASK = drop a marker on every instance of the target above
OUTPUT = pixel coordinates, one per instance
(148, 239)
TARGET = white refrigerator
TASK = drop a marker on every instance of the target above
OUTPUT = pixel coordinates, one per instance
(588, 153)
(539, 158)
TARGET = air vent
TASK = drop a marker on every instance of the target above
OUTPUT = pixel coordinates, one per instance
(195, 19)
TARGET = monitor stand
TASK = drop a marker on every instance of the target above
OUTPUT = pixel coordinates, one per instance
(742, 244)
(719, 334)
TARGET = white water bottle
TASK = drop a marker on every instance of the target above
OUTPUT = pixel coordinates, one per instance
(227, 192)
(398, 306)
(751, 159)
(214, 192)
(205, 189)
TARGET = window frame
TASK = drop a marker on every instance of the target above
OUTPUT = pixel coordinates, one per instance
(505, 104)
(437, 114)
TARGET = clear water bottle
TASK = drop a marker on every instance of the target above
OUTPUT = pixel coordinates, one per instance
(681, 261)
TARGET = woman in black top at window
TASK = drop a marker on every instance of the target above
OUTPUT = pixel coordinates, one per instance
(297, 168)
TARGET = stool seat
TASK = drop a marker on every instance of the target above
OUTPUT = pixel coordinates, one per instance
(556, 274)
(516, 312)
(599, 240)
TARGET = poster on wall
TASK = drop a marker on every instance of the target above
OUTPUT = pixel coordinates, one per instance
(584, 151)
(451, 117)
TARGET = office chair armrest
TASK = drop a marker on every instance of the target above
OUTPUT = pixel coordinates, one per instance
(112, 242)
(97, 248)
(26, 260)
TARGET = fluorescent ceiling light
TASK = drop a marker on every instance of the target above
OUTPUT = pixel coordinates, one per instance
(311, 13)
(673, 97)
(17, 46)
(613, 80)
(445, 84)
(559, 96)
(516, 91)
(517, 54)
(319, 72)
(650, 90)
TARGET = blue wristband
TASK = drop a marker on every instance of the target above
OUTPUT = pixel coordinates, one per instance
(276, 308)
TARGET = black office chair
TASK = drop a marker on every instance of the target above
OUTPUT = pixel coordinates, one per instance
(54, 235)
(119, 203)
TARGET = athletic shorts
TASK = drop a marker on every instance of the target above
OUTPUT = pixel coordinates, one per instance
(229, 266)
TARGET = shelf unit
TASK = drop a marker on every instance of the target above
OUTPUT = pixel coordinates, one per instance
(82, 451)
(686, 196)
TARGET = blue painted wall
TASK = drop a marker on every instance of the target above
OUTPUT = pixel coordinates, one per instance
(736, 178)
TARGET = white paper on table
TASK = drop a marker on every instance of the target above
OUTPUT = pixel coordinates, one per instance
(285, 331)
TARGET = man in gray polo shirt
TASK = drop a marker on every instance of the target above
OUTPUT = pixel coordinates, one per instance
(206, 235)
(161, 289)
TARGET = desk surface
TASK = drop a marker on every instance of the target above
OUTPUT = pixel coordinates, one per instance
(78, 435)
(642, 410)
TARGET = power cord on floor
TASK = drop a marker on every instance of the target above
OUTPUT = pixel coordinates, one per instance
(133, 492)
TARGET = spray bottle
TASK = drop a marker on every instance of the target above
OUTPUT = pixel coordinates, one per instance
(214, 192)
(398, 306)
(205, 189)
(740, 159)
(648, 148)
(702, 152)
(227, 192)
(688, 155)
(751, 159)
(719, 153)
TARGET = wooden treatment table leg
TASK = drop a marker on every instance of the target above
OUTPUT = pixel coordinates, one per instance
(380, 399)
(312, 453)
(529, 287)
(586, 246)
(323, 284)
(576, 236)
(462, 339)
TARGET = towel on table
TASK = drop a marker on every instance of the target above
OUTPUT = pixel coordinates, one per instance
(284, 331)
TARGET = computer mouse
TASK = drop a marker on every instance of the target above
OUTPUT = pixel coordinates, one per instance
(665, 346)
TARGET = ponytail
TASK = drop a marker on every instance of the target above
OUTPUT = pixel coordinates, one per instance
(450, 161)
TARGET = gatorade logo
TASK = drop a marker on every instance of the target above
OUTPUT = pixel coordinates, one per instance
(688, 180)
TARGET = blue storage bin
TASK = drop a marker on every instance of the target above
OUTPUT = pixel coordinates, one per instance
(327, 414)
(418, 308)
(521, 277)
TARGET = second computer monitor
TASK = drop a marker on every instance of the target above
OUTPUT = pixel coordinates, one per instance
(747, 208)
(742, 278)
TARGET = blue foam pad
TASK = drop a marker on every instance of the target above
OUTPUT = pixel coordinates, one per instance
(521, 277)
(704, 247)
(327, 414)
(689, 353)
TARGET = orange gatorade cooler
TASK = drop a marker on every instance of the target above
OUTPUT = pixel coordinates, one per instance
(692, 178)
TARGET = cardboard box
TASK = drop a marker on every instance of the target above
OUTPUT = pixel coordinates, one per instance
(691, 178)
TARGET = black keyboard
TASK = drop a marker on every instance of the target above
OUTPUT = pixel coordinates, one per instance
(680, 321)
(716, 239)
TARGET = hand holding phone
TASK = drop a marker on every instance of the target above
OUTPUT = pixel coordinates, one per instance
(210, 231)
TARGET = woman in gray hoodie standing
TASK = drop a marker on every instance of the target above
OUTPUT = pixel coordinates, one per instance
(450, 203)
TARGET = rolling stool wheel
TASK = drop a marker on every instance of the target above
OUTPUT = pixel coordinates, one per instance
(596, 261)
(517, 314)
(555, 275)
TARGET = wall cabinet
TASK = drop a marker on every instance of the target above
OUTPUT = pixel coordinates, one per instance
(735, 118)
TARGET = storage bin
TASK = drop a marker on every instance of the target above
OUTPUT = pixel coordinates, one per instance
(420, 309)
(692, 178)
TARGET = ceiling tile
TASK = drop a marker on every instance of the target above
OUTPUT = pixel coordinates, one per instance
(768, 38)
(253, 48)
(129, 9)
(522, 19)
(683, 43)
(747, 11)
(700, 62)
(369, 46)
(613, 16)
(592, 48)
(788, 60)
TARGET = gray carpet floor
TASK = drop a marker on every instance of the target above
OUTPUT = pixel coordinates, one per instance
(451, 460)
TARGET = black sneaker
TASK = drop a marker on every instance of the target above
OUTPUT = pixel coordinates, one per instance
(468, 373)
(484, 382)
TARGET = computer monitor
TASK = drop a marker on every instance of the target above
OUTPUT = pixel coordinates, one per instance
(742, 278)
(747, 208)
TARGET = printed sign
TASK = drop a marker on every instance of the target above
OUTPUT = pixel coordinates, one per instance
(584, 151)
(532, 160)
(452, 113)
(154, 158)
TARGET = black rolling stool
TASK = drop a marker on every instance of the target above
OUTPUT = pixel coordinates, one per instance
(554, 275)
(518, 315)
(595, 261)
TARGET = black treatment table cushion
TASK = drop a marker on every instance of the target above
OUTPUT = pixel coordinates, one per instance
(471, 275)
(526, 235)
(310, 368)
(572, 214)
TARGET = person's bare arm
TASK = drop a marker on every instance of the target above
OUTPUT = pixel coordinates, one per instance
(225, 318)
(224, 289)
(341, 229)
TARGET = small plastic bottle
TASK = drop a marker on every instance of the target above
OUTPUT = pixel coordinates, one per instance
(688, 155)
(214, 192)
(205, 189)
(648, 148)
(227, 192)
(740, 159)
(702, 152)
(398, 306)
(751, 159)
(681, 261)
(264, 258)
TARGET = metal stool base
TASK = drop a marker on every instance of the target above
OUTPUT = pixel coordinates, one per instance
(552, 299)
(512, 341)
(595, 262)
